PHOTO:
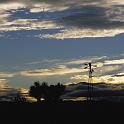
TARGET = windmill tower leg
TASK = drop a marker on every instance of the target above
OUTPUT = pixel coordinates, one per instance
(90, 89)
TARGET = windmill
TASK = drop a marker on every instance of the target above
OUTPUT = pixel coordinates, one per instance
(89, 66)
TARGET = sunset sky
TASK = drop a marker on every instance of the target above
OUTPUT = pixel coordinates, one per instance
(51, 40)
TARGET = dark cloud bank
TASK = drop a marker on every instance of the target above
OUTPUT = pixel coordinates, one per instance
(100, 91)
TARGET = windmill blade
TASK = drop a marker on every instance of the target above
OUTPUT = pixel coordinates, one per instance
(85, 67)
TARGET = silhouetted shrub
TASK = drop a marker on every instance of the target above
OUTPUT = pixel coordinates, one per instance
(19, 99)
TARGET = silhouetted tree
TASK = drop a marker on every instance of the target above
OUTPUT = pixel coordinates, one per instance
(54, 93)
(50, 93)
(35, 91)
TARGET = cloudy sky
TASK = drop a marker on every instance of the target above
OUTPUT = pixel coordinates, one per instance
(51, 40)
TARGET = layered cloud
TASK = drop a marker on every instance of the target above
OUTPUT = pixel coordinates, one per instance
(106, 69)
(60, 70)
(3, 83)
(6, 74)
(69, 19)
(107, 79)
(4, 88)
(7, 92)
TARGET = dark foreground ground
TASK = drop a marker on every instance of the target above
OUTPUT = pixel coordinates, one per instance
(62, 113)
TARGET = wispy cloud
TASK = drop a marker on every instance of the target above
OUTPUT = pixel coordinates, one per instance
(26, 24)
(3, 83)
(7, 92)
(60, 70)
(114, 62)
(6, 74)
(82, 33)
(104, 79)
(108, 70)
(5, 88)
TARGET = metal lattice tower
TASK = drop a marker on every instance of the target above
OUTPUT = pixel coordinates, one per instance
(89, 66)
